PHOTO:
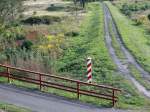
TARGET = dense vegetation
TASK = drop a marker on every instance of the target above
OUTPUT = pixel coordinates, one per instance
(127, 9)
(137, 10)
(90, 42)
(120, 54)
(58, 45)
(42, 20)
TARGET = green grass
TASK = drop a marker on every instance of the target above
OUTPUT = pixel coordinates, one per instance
(91, 42)
(135, 38)
(12, 108)
(115, 43)
(137, 75)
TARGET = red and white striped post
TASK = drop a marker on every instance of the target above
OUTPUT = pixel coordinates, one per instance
(89, 69)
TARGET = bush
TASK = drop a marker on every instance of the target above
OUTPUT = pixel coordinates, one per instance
(128, 8)
(20, 37)
(27, 45)
(42, 20)
(125, 9)
(148, 16)
(55, 8)
(72, 34)
(141, 20)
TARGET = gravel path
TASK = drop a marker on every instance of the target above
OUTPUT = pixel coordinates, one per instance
(123, 66)
(40, 102)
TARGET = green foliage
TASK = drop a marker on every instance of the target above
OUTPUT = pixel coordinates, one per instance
(148, 16)
(27, 44)
(20, 37)
(135, 38)
(42, 20)
(137, 75)
(88, 43)
(72, 34)
(125, 9)
(128, 8)
(115, 43)
(55, 8)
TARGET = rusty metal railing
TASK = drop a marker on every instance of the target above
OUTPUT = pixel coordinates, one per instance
(74, 86)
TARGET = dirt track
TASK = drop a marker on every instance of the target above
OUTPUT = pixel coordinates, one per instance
(123, 68)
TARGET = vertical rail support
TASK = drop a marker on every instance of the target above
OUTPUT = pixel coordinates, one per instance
(8, 72)
(113, 97)
(78, 90)
(40, 79)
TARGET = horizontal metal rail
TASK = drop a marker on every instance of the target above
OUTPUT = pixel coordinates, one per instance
(78, 88)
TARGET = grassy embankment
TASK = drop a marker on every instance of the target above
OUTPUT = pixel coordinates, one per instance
(137, 75)
(91, 42)
(12, 108)
(134, 71)
(115, 43)
(135, 38)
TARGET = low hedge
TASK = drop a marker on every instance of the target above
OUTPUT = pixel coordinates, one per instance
(42, 20)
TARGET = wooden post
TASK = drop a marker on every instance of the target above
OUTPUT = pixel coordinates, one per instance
(8, 72)
(40, 79)
(78, 90)
(113, 97)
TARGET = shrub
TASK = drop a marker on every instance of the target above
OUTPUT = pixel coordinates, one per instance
(20, 37)
(125, 9)
(148, 16)
(27, 45)
(141, 20)
(42, 20)
(72, 34)
(128, 8)
(55, 8)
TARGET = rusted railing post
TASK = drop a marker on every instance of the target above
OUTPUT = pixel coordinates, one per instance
(78, 90)
(113, 97)
(8, 74)
(40, 79)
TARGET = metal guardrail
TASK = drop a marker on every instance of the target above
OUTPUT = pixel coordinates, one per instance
(102, 91)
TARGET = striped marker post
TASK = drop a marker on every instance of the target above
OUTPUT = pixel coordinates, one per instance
(89, 69)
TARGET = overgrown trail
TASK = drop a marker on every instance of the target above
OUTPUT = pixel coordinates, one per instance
(123, 66)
